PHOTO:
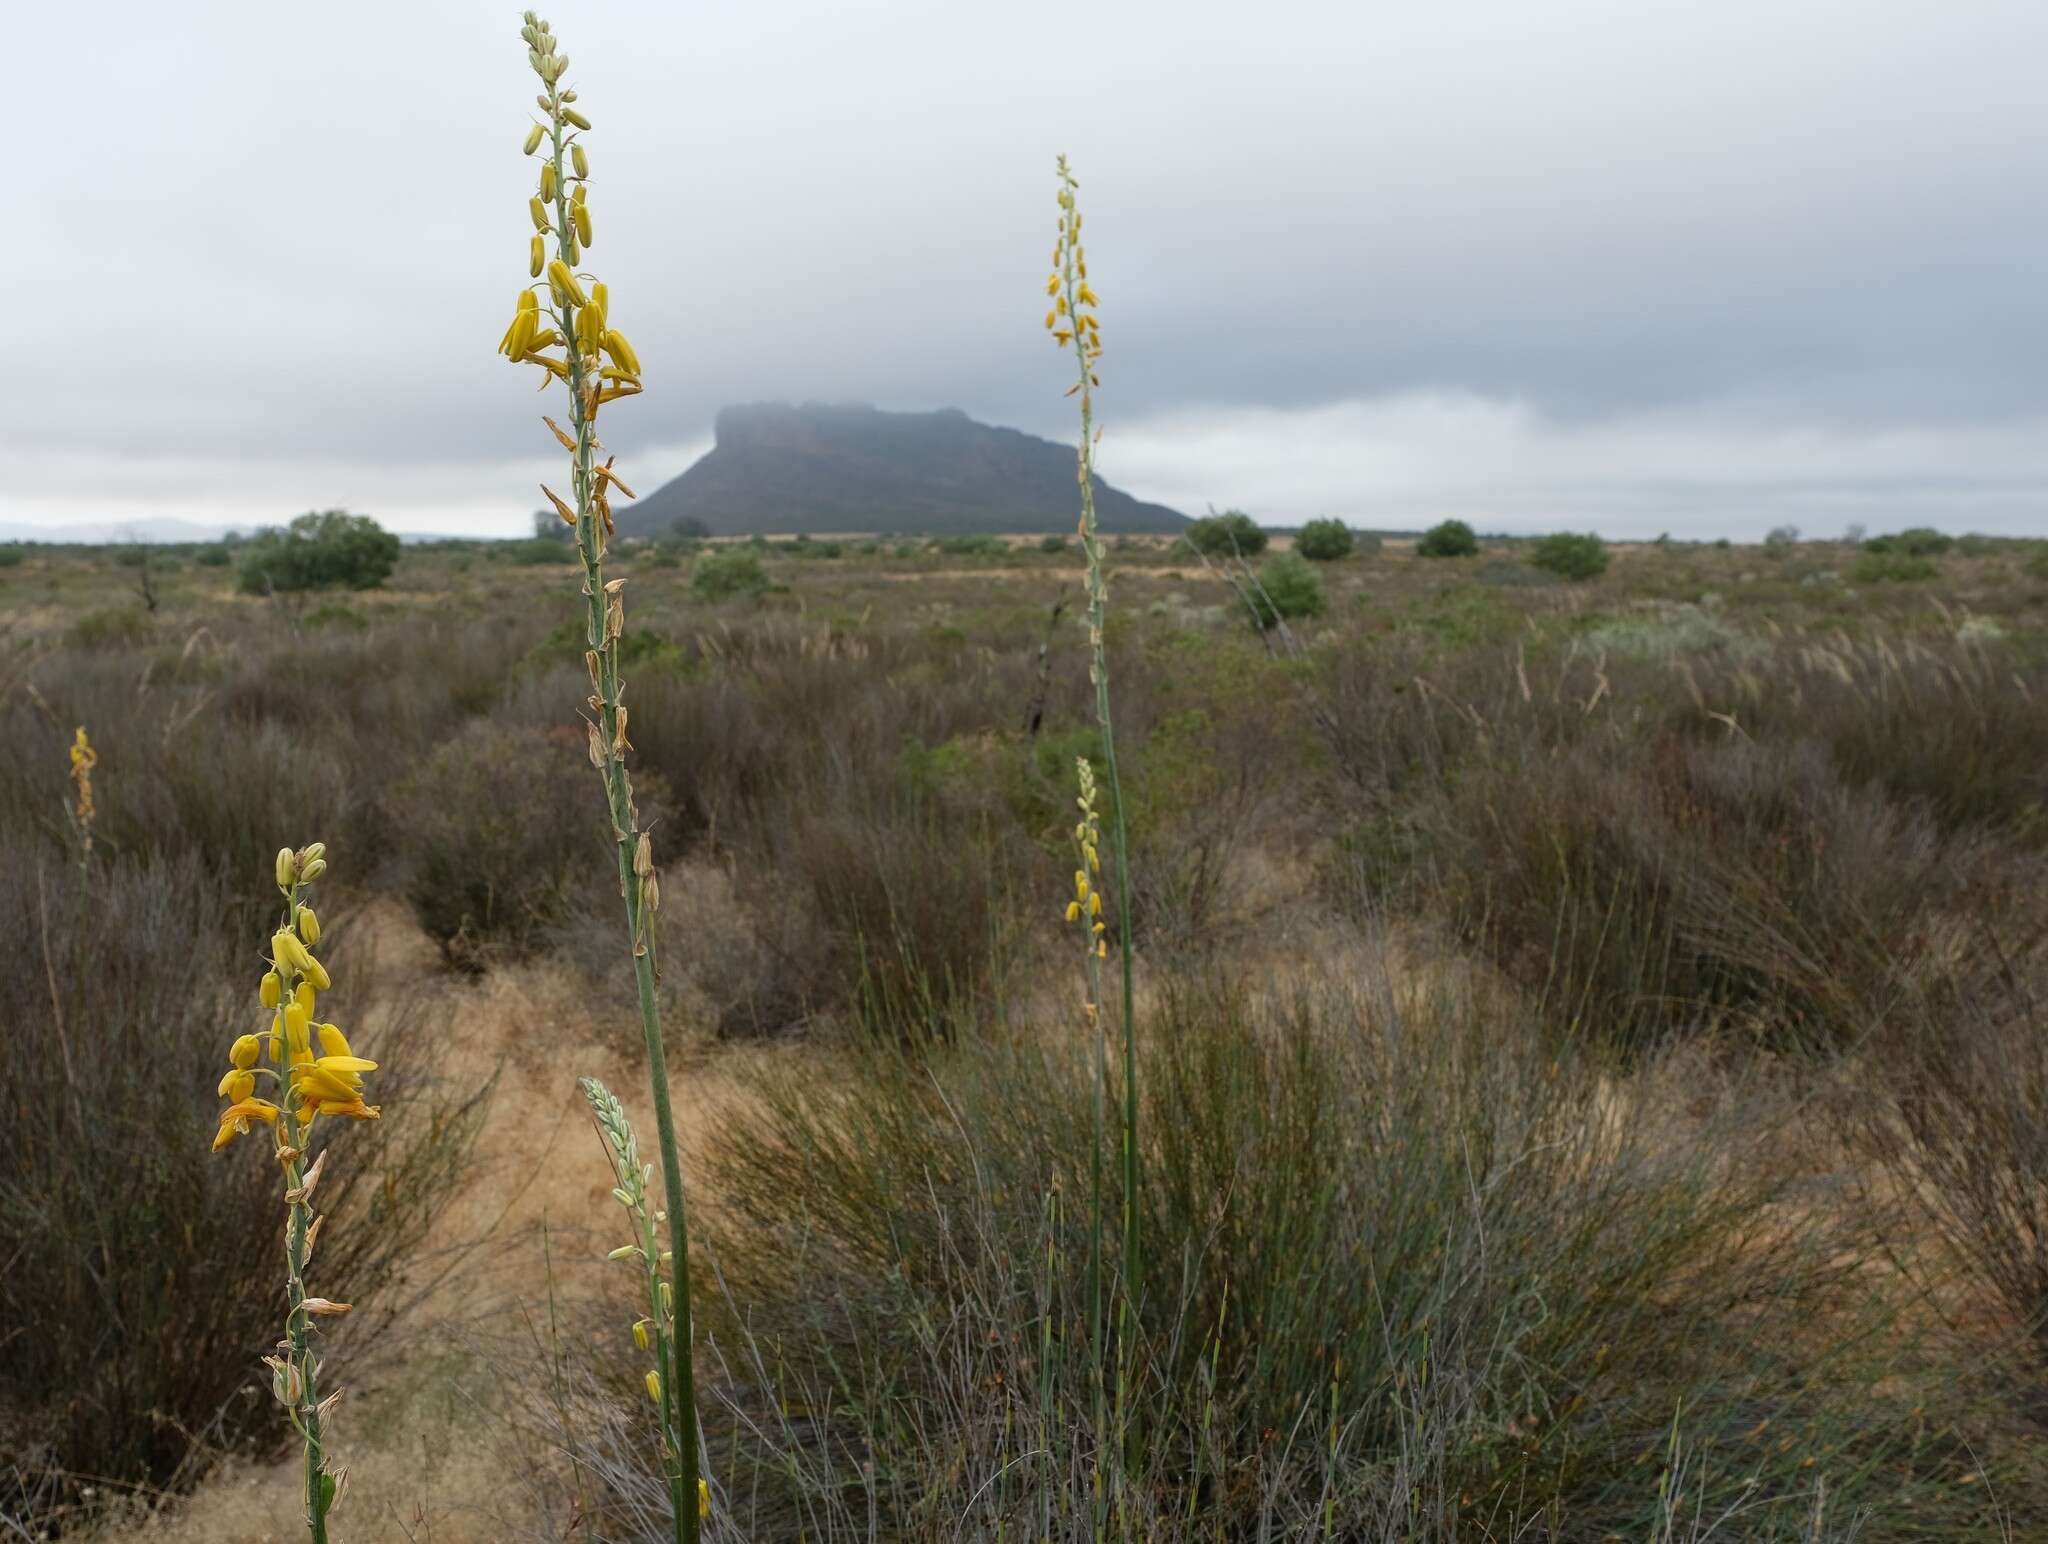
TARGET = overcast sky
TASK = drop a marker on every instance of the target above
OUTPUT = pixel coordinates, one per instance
(1699, 265)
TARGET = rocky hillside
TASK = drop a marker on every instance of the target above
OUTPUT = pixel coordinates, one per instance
(825, 468)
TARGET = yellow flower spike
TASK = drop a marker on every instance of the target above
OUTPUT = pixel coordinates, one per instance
(286, 866)
(547, 182)
(654, 1385)
(539, 211)
(243, 1052)
(269, 989)
(582, 161)
(533, 138)
(563, 281)
(537, 256)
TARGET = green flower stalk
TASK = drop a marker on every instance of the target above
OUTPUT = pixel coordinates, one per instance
(316, 1073)
(1073, 323)
(656, 1332)
(566, 310)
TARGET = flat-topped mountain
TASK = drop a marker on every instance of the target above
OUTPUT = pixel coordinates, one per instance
(824, 468)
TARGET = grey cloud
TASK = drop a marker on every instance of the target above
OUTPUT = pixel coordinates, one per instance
(274, 245)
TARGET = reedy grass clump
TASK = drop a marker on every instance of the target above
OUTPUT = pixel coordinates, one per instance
(560, 212)
(309, 1086)
(1415, 1272)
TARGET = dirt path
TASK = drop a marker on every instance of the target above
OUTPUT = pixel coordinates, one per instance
(427, 1459)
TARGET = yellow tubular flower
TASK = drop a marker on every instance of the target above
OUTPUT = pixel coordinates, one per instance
(570, 115)
(269, 989)
(533, 136)
(564, 284)
(537, 257)
(547, 182)
(622, 353)
(580, 213)
(654, 1385)
(243, 1052)
(309, 926)
(582, 161)
(539, 211)
(317, 974)
(287, 865)
(234, 1120)
(236, 1085)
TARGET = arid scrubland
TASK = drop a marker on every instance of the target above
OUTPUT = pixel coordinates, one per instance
(1589, 1046)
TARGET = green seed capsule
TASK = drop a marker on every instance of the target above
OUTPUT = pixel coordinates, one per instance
(533, 139)
(582, 161)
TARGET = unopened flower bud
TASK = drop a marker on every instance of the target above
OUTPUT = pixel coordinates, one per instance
(243, 1052)
(270, 990)
(313, 870)
(286, 864)
(309, 925)
(537, 258)
(640, 1333)
(533, 138)
(582, 161)
(580, 213)
(539, 211)
(570, 115)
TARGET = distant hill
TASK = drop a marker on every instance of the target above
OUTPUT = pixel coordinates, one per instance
(837, 468)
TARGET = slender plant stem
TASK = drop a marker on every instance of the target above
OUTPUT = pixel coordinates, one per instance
(1098, 605)
(298, 1231)
(678, 1380)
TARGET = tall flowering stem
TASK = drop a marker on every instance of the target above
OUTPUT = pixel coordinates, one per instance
(316, 1073)
(1073, 323)
(597, 365)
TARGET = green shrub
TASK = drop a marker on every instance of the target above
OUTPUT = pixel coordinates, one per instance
(1891, 567)
(492, 832)
(1570, 555)
(1232, 532)
(1052, 544)
(111, 627)
(1917, 542)
(11, 554)
(724, 573)
(215, 555)
(1287, 588)
(971, 545)
(1449, 539)
(2036, 564)
(334, 550)
(142, 1269)
(537, 552)
(1325, 541)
